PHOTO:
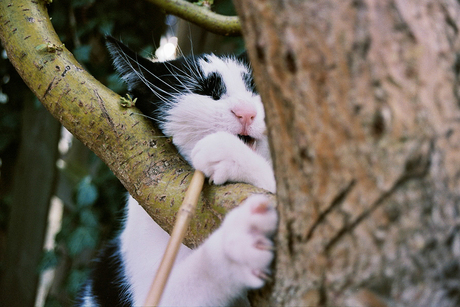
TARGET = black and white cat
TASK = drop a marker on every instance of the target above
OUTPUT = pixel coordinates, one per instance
(208, 104)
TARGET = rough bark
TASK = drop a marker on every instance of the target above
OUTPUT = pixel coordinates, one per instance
(145, 162)
(362, 102)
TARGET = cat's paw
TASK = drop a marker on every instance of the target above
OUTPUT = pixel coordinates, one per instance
(219, 156)
(246, 238)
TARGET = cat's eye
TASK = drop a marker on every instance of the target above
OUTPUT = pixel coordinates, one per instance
(212, 86)
(215, 97)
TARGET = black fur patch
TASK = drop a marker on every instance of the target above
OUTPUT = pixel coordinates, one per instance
(107, 279)
(212, 86)
(249, 82)
(154, 83)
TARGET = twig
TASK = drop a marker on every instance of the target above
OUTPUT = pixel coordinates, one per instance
(216, 23)
(184, 216)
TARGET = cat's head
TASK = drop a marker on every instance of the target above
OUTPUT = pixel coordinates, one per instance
(194, 96)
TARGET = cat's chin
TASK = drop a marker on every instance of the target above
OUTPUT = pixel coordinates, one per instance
(248, 140)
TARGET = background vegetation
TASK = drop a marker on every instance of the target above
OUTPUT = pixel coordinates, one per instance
(91, 194)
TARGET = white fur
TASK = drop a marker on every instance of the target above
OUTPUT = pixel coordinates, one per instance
(88, 300)
(222, 157)
(142, 245)
(192, 117)
(216, 273)
(231, 72)
(226, 265)
(237, 256)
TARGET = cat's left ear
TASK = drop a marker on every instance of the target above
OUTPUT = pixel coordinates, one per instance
(151, 82)
(134, 69)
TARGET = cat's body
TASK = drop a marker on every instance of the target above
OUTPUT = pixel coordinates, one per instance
(209, 106)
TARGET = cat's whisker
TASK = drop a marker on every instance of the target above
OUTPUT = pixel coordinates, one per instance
(196, 72)
(191, 101)
(179, 80)
(141, 77)
(150, 85)
(189, 68)
(146, 116)
(141, 68)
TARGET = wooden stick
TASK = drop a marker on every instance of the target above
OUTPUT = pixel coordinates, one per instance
(183, 218)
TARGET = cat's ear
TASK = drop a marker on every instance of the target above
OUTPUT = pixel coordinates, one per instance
(135, 70)
(152, 82)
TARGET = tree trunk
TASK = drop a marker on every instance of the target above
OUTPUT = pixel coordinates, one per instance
(35, 177)
(362, 101)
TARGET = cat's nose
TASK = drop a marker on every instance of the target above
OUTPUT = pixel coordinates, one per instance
(245, 114)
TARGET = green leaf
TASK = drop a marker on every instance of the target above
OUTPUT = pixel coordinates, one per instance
(106, 27)
(3, 97)
(76, 279)
(87, 193)
(147, 51)
(83, 53)
(114, 83)
(82, 238)
(52, 302)
(49, 260)
(88, 218)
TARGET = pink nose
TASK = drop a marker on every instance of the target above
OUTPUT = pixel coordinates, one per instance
(245, 114)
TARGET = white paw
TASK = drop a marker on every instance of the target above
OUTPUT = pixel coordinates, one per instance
(246, 236)
(219, 156)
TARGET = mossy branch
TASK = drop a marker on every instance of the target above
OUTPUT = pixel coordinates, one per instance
(145, 162)
(201, 16)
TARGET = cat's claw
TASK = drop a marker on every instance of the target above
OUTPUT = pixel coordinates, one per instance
(246, 233)
(264, 275)
(268, 246)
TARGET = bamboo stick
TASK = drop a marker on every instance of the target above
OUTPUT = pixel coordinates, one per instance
(183, 218)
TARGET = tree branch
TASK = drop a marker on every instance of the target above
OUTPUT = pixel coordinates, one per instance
(145, 162)
(218, 24)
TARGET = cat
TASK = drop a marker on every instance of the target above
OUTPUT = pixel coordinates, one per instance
(208, 104)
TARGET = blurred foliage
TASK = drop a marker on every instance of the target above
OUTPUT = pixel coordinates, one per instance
(93, 198)
(92, 211)
(12, 94)
(91, 217)
(82, 25)
(227, 8)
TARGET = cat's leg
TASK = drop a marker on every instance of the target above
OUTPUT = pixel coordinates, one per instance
(223, 157)
(143, 243)
(236, 257)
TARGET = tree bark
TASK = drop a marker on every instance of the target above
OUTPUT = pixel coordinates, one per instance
(145, 162)
(202, 16)
(362, 101)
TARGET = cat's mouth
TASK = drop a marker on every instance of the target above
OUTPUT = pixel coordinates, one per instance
(249, 141)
